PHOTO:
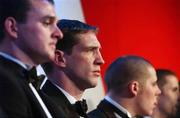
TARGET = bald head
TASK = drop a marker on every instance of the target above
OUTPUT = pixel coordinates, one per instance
(125, 69)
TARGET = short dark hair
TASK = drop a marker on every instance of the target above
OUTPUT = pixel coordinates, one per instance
(70, 29)
(14, 8)
(161, 74)
(124, 69)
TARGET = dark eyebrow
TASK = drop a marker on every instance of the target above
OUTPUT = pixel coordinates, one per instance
(52, 18)
(92, 48)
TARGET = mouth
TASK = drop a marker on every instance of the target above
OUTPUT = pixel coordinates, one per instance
(53, 45)
(155, 104)
(97, 73)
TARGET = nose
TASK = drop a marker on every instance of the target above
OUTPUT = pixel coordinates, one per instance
(99, 59)
(58, 33)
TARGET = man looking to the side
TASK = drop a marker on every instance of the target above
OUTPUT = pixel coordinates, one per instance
(76, 66)
(169, 97)
(132, 89)
(28, 37)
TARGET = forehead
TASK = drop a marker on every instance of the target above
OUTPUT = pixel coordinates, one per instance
(42, 8)
(88, 39)
(152, 74)
(171, 80)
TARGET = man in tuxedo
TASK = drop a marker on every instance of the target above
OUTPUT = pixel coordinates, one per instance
(169, 97)
(76, 67)
(28, 37)
(132, 89)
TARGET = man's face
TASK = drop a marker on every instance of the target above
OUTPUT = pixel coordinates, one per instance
(147, 99)
(83, 64)
(168, 99)
(37, 37)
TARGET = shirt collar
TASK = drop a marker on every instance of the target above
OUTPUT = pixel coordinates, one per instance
(9, 57)
(70, 98)
(120, 107)
(40, 71)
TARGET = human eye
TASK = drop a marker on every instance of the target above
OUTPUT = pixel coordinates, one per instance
(90, 49)
(175, 89)
(48, 21)
(154, 83)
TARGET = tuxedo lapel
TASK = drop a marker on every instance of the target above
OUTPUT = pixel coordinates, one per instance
(56, 112)
(60, 99)
(17, 99)
(110, 109)
(12, 68)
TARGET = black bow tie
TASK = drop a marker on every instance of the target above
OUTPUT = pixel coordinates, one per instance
(81, 107)
(34, 79)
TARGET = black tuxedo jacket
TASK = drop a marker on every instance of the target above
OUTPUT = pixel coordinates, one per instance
(16, 98)
(106, 110)
(60, 100)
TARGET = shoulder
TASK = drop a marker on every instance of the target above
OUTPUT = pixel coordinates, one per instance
(97, 113)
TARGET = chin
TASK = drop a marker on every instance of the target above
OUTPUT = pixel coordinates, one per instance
(95, 82)
(92, 85)
(51, 57)
(150, 113)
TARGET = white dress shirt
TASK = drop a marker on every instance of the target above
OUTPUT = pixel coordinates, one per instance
(70, 98)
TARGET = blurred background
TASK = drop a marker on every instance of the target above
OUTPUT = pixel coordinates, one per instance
(147, 28)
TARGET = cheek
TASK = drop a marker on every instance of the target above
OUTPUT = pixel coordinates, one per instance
(149, 97)
(174, 99)
(149, 92)
(41, 39)
(170, 97)
(144, 106)
(84, 60)
(40, 31)
(166, 102)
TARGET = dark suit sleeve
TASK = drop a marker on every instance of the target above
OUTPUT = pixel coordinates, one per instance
(97, 113)
(12, 100)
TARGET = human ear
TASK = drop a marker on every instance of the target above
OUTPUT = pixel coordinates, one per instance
(134, 87)
(11, 27)
(59, 58)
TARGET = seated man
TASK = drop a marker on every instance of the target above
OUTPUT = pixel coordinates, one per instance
(132, 89)
(28, 33)
(168, 99)
(76, 67)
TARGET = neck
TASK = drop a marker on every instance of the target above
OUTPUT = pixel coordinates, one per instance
(125, 101)
(60, 79)
(158, 114)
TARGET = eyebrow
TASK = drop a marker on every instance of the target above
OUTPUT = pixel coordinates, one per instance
(92, 47)
(52, 18)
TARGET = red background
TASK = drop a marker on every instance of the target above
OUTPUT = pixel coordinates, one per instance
(147, 28)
